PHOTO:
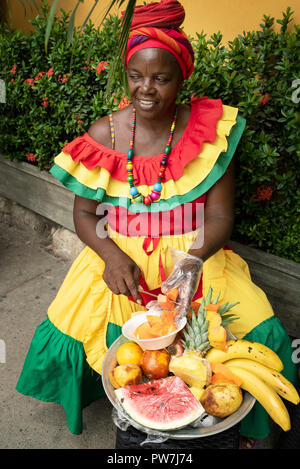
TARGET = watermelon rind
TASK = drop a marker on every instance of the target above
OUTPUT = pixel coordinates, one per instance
(191, 413)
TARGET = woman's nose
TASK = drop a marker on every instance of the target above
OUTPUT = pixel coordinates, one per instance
(147, 86)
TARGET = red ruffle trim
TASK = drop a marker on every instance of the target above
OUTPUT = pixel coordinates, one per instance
(205, 113)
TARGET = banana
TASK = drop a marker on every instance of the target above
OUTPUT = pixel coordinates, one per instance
(271, 377)
(241, 348)
(265, 395)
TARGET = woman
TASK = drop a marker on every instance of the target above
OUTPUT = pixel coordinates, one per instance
(149, 162)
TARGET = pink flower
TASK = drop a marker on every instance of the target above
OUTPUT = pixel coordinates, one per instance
(45, 102)
(50, 72)
(30, 81)
(123, 103)
(262, 193)
(30, 157)
(101, 67)
(14, 69)
(12, 80)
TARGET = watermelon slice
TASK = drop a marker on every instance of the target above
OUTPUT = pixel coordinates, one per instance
(161, 404)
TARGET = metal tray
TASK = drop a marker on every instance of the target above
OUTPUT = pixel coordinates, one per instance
(187, 432)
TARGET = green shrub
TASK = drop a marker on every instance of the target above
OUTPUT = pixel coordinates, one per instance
(255, 72)
(64, 93)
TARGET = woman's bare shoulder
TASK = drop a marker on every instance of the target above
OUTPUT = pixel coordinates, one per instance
(100, 131)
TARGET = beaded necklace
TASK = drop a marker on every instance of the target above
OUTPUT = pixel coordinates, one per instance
(155, 194)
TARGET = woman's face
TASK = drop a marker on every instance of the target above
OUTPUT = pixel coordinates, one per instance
(154, 79)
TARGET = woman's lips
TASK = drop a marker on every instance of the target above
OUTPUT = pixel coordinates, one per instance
(146, 103)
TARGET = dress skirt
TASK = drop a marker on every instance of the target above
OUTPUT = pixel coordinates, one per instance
(64, 361)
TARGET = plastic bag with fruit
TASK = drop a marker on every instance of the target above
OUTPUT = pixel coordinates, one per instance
(185, 277)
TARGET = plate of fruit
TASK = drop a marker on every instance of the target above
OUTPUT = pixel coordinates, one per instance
(192, 378)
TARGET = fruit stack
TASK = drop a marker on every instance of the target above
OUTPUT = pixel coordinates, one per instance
(200, 372)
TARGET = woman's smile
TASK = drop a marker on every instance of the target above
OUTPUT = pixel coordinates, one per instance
(146, 104)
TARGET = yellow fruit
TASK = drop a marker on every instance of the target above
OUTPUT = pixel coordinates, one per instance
(246, 349)
(272, 377)
(265, 395)
(192, 369)
(197, 392)
(222, 399)
(129, 353)
(123, 375)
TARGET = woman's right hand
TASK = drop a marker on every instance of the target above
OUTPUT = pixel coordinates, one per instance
(122, 275)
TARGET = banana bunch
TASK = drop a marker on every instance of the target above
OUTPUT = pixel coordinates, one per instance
(259, 369)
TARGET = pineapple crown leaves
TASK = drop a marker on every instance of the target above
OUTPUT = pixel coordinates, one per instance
(196, 330)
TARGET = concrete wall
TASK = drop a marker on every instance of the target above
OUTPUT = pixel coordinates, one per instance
(231, 17)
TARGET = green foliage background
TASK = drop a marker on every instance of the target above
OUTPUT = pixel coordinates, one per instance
(255, 72)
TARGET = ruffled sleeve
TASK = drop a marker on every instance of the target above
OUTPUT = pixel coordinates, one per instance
(196, 162)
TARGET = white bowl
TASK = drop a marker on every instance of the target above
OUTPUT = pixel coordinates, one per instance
(158, 343)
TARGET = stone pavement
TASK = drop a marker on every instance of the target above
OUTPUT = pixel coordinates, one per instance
(30, 277)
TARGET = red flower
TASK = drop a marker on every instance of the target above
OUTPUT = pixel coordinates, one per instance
(14, 69)
(45, 102)
(101, 67)
(123, 103)
(79, 121)
(265, 98)
(38, 76)
(194, 97)
(12, 80)
(30, 157)
(63, 78)
(262, 193)
(50, 72)
(30, 81)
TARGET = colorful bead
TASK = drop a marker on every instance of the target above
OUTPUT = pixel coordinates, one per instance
(147, 200)
(155, 195)
(167, 150)
(133, 191)
(157, 187)
(138, 199)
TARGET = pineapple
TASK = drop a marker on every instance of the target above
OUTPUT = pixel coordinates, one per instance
(196, 333)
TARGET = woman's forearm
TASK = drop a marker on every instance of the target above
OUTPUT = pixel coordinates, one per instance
(121, 273)
(86, 229)
(217, 232)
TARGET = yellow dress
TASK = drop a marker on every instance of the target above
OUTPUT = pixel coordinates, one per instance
(87, 317)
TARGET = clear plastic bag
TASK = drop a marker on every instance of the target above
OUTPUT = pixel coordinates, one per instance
(122, 420)
(185, 277)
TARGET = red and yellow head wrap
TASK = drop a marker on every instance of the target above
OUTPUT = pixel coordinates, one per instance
(157, 25)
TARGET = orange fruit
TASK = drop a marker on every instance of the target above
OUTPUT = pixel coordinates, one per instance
(129, 353)
(155, 363)
(143, 332)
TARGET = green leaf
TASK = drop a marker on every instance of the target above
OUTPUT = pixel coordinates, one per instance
(50, 22)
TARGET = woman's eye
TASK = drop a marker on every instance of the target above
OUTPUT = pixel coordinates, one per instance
(161, 79)
(134, 77)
